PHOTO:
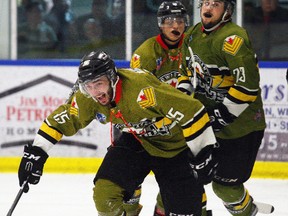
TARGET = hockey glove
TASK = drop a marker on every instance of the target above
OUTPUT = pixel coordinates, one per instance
(203, 165)
(31, 165)
(219, 116)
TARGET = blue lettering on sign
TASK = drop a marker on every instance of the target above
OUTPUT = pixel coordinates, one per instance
(265, 91)
(275, 93)
(282, 111)
(268, 111)
(279, 93)
(284, 125)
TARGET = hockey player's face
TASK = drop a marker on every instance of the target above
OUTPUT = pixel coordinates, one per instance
(173, 28)
(100, 89)
(211, 12)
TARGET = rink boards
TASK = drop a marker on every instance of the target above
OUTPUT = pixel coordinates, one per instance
(30, 90)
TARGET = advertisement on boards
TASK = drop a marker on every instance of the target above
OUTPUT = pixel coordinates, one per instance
(29, 93)
(275, 99)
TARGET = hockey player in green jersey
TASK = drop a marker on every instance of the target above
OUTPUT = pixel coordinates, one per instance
(225, 73)
(162, 56)
(171, 135)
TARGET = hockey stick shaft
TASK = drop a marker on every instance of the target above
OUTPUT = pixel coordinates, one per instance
(194, 83)
(19, 194)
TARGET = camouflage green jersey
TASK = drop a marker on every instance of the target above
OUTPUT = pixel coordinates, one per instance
(227, 71)
(165, 120)
(163, 61)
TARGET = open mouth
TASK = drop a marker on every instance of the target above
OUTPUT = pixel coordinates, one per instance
(177, 33)
(103, 99)
(207, 15)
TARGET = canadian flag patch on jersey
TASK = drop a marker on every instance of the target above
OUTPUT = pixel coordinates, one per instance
(135, 61)
(74, 107)
(232, 44)
(146, 98)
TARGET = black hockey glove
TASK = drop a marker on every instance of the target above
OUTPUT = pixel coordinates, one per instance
(219, 117)
(31, 165)
(203, 165)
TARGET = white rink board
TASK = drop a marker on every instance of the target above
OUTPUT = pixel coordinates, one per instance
(29, 93)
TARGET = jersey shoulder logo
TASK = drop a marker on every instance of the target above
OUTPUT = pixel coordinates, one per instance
(135, 61)
(232, 44)
(146, 98)
(74, 107)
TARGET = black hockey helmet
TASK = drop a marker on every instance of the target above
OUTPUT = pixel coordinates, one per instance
(230, 4)
(172, 9)
(96, 64)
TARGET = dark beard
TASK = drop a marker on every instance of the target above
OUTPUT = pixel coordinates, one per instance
(210, 24)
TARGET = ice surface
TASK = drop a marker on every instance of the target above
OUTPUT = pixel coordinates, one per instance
(71, 195)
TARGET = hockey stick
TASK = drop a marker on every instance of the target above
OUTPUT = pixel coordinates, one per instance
(19, 194)
(194, 83)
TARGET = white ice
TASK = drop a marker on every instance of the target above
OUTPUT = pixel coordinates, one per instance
(71, 195)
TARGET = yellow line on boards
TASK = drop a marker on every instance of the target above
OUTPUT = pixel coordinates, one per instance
(262, 169)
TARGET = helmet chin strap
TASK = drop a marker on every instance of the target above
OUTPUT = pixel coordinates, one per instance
(219, 23)
(113, 85)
